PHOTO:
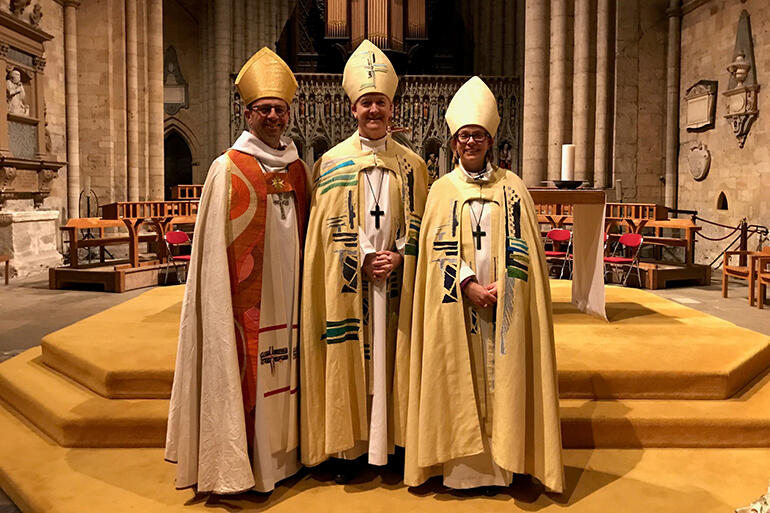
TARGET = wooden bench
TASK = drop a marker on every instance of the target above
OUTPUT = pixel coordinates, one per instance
(76, 226)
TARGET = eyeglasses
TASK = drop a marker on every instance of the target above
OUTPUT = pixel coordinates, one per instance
(265, 110)
(478, 137)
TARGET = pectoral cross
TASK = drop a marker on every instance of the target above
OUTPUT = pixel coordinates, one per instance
(478, 234)
(376, 213)
(281, 200)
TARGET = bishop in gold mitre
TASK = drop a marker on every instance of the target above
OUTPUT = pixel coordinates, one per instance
(367, 204)
(483, 392)
(234, 414)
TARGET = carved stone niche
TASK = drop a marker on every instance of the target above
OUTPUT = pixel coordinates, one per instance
(701, 105)
(26, 168)
(742, 89)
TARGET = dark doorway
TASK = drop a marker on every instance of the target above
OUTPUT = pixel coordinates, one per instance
(177, 163)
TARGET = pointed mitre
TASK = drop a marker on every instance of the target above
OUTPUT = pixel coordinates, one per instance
(368, 70)
(473, 104)
(266, 75)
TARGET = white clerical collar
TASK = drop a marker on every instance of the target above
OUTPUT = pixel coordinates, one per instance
(251, 144)
(373, 145)
(483, 176)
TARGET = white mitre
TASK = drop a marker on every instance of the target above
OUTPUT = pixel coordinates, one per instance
(368, 70)
(473, 104)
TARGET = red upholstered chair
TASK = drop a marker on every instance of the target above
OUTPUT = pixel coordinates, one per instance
(557, 237)
(627, 241)
(174, 239)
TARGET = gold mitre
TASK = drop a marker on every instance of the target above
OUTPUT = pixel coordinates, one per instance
(368, 70)
(265, 75)
(473, 104)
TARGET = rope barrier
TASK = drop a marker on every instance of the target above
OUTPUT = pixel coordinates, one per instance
(696, 217)
(718, 238)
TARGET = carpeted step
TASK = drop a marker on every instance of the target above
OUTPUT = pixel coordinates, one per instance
(742, 421)
(651, 348)
(75, 416)
(126, 351)
(41, 477)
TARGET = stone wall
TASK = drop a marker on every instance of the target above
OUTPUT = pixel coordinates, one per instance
(743, 174)
(182, 29)
(640, 100)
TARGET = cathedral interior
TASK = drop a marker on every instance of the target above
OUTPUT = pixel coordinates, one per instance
(125, 100)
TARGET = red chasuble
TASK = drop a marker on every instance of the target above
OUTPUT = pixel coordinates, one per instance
(245, 255)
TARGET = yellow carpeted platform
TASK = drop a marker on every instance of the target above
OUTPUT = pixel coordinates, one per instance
(125, 351)
(651, 348)
(75, 416)
(42, 477)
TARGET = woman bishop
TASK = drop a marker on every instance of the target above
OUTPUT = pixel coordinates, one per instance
(483, 398)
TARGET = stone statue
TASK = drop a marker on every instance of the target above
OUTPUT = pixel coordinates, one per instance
(17, 6)
(505, 156)
(36, 15)
(16, 95)
(432, 164)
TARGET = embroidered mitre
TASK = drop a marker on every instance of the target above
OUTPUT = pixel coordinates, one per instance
(369, 70)
(265, 75)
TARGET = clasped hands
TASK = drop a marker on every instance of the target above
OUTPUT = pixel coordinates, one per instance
(481, 295)
(378, 265)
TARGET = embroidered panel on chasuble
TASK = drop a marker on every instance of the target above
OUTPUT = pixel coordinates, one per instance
(249, 188)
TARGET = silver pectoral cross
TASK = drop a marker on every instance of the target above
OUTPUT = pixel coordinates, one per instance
(282, 200)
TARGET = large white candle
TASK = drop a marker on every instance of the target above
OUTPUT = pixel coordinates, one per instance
(568, 162)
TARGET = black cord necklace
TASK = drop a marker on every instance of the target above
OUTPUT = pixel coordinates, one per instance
(478, 233)
(377, 212)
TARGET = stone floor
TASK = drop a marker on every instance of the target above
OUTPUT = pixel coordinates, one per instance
(30, 310)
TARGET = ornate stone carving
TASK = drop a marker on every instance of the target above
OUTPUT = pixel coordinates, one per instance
(321, 118)
(45, 177)
(175, 95)
(39, 63)
(701, 105)
(7, 174)
(699, 159)
(4, 50)
(36, 15)
(17, 6)
(742, 89)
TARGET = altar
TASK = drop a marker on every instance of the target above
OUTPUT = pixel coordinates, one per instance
(587, 212)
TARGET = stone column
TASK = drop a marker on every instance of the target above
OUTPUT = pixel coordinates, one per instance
(71, 99)
(626, 108)
(222, 62)
(535, 111)
(132, 101)
(509, 17)
(155, 98)
(582, 105)
(251, 28)
(239, 33)
(602, 171)
(557, 90)
(674, 14)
